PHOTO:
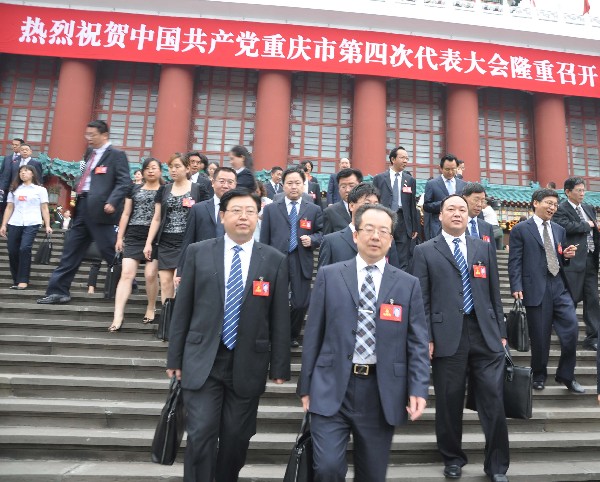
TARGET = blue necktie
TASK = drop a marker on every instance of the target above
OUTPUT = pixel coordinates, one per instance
(395, 197)
(474, 228)
(233, 303)
(449, 186)
(464, 273)
(293, 227)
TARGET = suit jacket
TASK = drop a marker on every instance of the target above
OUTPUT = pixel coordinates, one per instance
(436, 268)
(409, 202)
(577, 232)
(10, 170)
(484, 229)
(205, 183)
(271, 191)
(335, 218)
(201, 225)
(527, 261)
(435, 192)
(329, 339)
(110, 187)
(314, 191)
(333, 190)
(340, 246)
(263, 336)
(275, 231)
(246, 179)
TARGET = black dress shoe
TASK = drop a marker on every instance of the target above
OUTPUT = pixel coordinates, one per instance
(53, 300)
(295, 344)
(572, 386)
(538, 385)
(590, 345)
(499, 478)
(452, 471)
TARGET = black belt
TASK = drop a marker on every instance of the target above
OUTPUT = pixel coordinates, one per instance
(82, 195)
(363, 370)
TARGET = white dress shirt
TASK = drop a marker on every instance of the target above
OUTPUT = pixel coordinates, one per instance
(462, 245)
(245, 254)
(377, 275)
(288, 205)
(490, 216)
(575, 206)
(194, 177)
(217, 201)
(27, 200)
(99, 153)
(538, 222)
(24, 162)
(392, 179)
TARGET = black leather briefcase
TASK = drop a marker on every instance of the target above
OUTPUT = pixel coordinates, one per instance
(169, 431)
(300, 464)
(517, 328)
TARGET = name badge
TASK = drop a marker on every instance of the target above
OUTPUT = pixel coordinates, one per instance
(407, 189)
(390, 312)
(486, 238)
(260, 288)
(479, 271)
(101, 170)
(188, 202)
(22, 198)
(560, 250)
(305, 224)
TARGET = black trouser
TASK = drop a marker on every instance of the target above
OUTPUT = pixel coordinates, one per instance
(82, 234)
(402, 241)
(20, 241)
(219, 425)
(583, 286)
(299, 293)
(486, 372)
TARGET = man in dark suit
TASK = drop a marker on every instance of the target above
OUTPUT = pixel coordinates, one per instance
(333, 194)
(294, 227)
(438, 188)
(101, 191)
(197, 160)
(274, 186)
(224, 343)
(474, 194)
(461, 293)
(365, 354)
(337, 216)
(340, 246)
(6, 171)
(398, 190)
(538, 253)
(579, 221)
(203, 221)
(26, 159)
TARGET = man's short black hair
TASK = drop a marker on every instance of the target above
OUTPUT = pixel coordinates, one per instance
(361, 190)
(292, 170)
(344, 173)
(377, 207)
(274, 169)
(472, 188)
(459, 162)
(394, 152)
(100, 125)
(540, 194)
(238, 192)
(224, 169)
(304, 163)
(449, 197)
(22, 141)
(448, 157)
(24, 144)
(571, 182)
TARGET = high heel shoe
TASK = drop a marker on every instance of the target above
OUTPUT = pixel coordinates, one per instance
(147, 320)
(114, 328)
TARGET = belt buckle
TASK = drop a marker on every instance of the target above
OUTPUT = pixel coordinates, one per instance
(361, 370)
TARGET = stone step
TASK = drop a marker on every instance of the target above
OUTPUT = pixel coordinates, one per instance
(102, 311)
(132, 329)
(274, 448)
(32, 293)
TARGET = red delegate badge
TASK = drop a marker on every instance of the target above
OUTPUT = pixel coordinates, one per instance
(479, 271)
(100, 170)
(22, 198)
(305, 224)
(486, 238)
(390, 312)
(407, 189)
(260, 288)
(560, 250)
(188, 202)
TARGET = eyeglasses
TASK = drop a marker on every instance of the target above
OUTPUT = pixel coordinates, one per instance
(403, 157)
(225, 182)
(370, 231)
(551, 204)
(237, 212)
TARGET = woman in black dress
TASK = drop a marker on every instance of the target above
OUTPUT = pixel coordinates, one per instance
(241, 161)
(172, 205)
(131, 239)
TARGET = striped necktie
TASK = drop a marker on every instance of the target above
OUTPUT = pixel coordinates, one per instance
(464, 274)
(590, 237)
(233, 303)
(293, 227)
(365, 332)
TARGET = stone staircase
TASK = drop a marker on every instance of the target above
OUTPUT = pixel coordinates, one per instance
(80, 404)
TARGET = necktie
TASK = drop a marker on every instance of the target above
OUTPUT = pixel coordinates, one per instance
(590, 238)
(220, 229)
(551, 258)
(365, 333)
(474, 228)
(276, 188)
(464, 274)
(395, 196)
(88, 169)
(293, 227)
(449, 186)
(233, 303)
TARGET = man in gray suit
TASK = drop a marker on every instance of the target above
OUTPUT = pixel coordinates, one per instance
(365, 354)
(230, 329)
(474, 194)
(337, 216)
(461, 293)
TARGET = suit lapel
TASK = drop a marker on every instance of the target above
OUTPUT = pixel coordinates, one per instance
(302, 211)
(440, 244)
(347, 236)
(218, 249)
(283, 208)
(388, 282)
(556, 234)
(442, 183)
(387, 180)
(472, 249)
(534, 231)
(210, 207)
(351, 279)
(254, 269)
(104, 156)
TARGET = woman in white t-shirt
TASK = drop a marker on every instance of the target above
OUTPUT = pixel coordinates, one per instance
(26, 209)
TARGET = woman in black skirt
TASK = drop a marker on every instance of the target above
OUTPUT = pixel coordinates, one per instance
(172, 206)
(131, 239)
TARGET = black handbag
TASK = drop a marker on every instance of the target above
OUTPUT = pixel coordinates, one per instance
(112, 277)
(518, 385)
(44, 252)
(164, 320)
(169, 431)
(517, 328)
(300, 464)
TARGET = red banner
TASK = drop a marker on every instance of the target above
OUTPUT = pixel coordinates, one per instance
(199, 41)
